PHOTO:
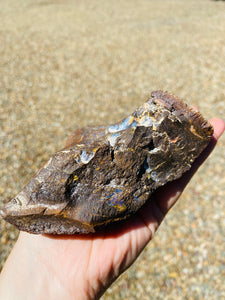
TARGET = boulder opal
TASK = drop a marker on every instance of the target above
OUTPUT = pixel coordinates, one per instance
(105, 174)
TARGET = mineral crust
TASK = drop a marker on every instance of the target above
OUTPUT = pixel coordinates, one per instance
(105, 174)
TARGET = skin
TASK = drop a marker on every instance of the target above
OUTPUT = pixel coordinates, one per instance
(83, 267)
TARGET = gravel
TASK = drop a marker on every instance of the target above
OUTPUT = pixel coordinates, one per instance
(65, 64)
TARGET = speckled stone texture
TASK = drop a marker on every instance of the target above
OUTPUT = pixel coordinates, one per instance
(68, 62)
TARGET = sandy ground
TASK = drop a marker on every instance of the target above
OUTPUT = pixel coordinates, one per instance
(66, 64)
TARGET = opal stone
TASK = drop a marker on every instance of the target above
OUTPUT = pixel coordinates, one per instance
(105, 174)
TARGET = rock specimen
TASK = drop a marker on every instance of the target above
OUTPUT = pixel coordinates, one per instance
(105, 174)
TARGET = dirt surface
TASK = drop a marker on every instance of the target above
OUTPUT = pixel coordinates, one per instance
(67, 64)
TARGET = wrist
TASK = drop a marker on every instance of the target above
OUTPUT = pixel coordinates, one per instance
(37, 269)
(25, 276)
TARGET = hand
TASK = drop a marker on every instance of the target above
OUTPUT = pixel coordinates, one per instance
(82, 267)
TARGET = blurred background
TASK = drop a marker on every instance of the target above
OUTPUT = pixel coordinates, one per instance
(66, 64)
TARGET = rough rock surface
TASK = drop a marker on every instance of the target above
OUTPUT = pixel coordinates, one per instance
(105, 174)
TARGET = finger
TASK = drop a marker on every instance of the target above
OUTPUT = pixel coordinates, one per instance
(167, 196)
(164, 198)
(195, 108)
(219, 127)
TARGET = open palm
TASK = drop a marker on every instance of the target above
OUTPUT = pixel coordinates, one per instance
(82, 267)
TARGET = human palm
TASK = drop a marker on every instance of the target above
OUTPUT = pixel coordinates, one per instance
(82, 267)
